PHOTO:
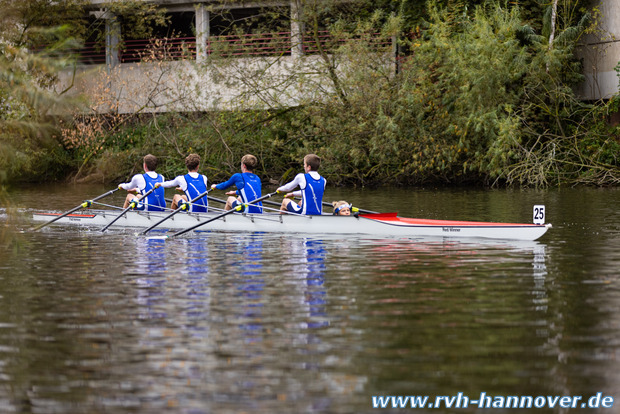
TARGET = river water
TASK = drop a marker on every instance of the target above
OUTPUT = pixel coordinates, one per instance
(265, 323)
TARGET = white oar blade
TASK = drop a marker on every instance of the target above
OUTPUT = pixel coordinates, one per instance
(157, 237)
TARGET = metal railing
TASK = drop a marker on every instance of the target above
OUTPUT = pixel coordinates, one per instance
(250, 45)
(165, 49)
(91, 53)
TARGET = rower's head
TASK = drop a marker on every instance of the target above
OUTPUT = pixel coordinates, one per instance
(341, 208)
(150, 162)
(249, 161)
(312, 161)
(192, 161)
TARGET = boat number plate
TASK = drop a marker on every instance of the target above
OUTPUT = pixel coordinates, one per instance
(539, 214)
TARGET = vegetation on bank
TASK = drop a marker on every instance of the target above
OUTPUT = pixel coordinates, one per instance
(482, 94)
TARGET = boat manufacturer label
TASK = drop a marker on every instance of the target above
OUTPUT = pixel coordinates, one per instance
(450, 229)
(539, 214)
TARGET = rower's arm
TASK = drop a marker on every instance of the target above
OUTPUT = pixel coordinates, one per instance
(137, 183)
(236, 180)
(177, 182)
(299, 181)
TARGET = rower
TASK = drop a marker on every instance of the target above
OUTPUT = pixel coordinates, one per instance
(192, 184)
(341, 208)
(248, 187)
(312, 187)
(140, 184)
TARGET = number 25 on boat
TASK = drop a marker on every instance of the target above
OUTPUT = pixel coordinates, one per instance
(539, 214)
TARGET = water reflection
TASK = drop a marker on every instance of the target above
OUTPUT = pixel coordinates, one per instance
(306, 274)
(269, 323)
(195, 276)
(539, 273)
(150, 263)
(249, 283)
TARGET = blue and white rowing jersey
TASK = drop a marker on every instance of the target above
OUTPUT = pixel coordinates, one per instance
(312, 195)
(250, 191)
(195, 187)
(156, 200)
(248, 187)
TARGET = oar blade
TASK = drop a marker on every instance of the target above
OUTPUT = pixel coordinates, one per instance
(157, 237)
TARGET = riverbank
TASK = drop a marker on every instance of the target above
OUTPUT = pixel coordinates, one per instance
(280, 140)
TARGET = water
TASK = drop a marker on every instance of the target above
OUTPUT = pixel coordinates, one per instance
(227, 323)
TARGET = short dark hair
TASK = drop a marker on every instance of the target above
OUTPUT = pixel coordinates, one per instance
(192, 161)
(150, 161)
(250, 161)
(313, 161)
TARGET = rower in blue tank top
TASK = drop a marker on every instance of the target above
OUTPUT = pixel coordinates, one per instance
(192, 184)
(195, 186)
(312, 187)
(154, 201)
(142, 183)
(248, 186)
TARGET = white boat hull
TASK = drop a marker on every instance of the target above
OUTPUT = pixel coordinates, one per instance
(381, 225)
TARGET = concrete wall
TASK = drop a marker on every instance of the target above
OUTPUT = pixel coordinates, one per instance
(601, 53)
(189, 86)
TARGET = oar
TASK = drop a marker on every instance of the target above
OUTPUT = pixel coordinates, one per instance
(273, 203)
(85, 204)
(183, 206)
(133, 204)
(237, 208)
(219, 200)
(325, 203)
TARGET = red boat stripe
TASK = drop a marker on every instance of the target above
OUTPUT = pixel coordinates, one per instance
(69, 215)
(391, 218)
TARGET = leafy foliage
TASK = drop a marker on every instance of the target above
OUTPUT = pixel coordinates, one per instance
(37, 39)
(27, 128)
(22, 22)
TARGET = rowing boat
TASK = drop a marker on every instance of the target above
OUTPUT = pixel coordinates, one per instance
(381, 225)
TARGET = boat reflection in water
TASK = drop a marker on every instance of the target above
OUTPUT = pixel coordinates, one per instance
(307, 264)
(225, 317)
(244, 269)
(150, 265)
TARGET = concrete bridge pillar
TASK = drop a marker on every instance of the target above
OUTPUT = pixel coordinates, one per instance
(112, 36)
(297, 29)
(202, 33)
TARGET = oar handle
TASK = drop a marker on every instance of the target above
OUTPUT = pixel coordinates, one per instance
(105, 194)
